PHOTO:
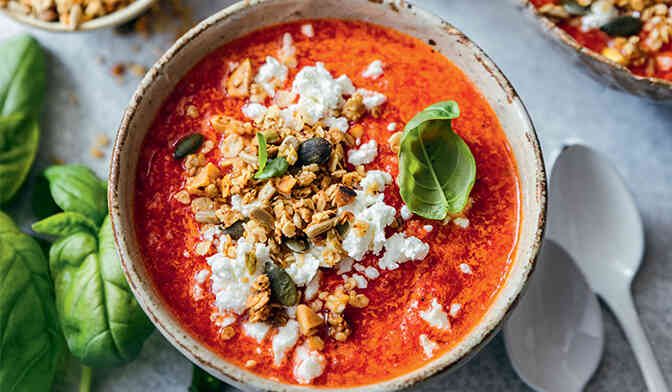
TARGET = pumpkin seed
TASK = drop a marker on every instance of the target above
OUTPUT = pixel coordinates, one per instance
(318, 228)
(298, 244)
(264, 217)
(341, 228)
(314, 150)
(271, 136)
(251, 262)
(623, 26)
(574, 8)
(283, 288)
(188, 145)
(235, 231)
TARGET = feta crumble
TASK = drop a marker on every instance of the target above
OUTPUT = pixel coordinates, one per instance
(461, 222)
(371, 273)
(284, 340)
(454, 308)
(360, 280)
(465, 268)
(231, 280)
(307, 30)
(202, 275)
(303, 269)
(601, 13)
(308, 364)
(428, 228)
(345, 266)
(392, 126)
(377, 215)
(245, 209)
(359, 267)
(254, 111)
(375, 181)
(313, 287)
(435, 316)
(256, 331)
(366, 153)
(428, 346)
(271, 71)
(319, 93)
(371, 99)
(340, 123)
(406, 212)
(373, 70)
(347, 88)
(400, 249)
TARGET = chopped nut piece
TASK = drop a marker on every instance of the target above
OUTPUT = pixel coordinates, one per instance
(258, 303)
(192, 111)
(239, 82)
(338, 327)
(356, 131)
(354, 107)
(395, 141)
(183, 197)
(227, 333)
(344, 196)
(285, 184)
(316, 343)
(202, 248)
(359, 300)
(97, 153)
(206, 176)
(309, 321)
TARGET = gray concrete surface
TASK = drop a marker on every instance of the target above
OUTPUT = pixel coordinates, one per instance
(84, 100)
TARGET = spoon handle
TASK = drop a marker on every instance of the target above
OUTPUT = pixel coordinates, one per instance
(622, 305)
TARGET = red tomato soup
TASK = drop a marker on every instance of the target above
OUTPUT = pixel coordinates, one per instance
(382, 291)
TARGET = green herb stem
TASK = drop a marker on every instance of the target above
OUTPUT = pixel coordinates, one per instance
(85, 380)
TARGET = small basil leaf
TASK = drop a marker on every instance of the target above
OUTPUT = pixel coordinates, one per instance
(202, 381)
(42, 202)
(623, 26)
(275, 168)
(22, 76)
(65, 224)
(188, 145)
(32, 344)
(263, 153)
(436, 167)
(76, 188)
(283, 288)
(574, 8)
(19, 139)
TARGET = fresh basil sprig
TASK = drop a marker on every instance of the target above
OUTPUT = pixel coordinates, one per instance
(32, 344)
(436, 167)
(202, 381)
(101, 320)
(269, 169)
(22, 86)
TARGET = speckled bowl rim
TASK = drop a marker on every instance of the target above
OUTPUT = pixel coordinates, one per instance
(568, 40)
(110, 20)
(480, 335)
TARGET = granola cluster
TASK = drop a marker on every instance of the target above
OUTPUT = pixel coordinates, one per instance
(645, 48)
(68, 12)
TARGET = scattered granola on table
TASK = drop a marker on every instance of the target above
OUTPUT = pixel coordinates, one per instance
(71, 13)
(632, 33)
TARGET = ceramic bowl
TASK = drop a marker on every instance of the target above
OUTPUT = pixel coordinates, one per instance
(110, 20)
(247, 16)
(604, 69)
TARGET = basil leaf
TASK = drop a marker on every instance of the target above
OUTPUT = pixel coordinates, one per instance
(76, 188)
(19, 139)
(263, 153)
(275, 168)
(102, 322)
(65, 224)
(22, 76)
(283, 288)
(32, 345)
(202, 381)
(436, 168)
(42, 202)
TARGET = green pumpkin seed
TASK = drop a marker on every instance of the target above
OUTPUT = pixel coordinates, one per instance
(251, 262)
(314, 150)
(623, 26)
(341, 228)
(283, 288)
(574, 8)
(271, 136)
(296, 244)
(188, 145)
(235, 231)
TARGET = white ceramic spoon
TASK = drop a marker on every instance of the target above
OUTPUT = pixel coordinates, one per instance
(555, 338)
(594, 217)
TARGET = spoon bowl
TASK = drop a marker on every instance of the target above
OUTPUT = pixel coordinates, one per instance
(555, 337)
(594, 216)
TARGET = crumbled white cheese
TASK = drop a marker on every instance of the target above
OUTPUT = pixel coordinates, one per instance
(231, 280)
(454, 308)
(256, 331)
(374, 70)
(347, 88)
(392, 126)
(284, 340)
(202, 275)
(222, 320)
(406, 213)
(308, 364)
(303, 269)
(307, 30)
(291, 311)
(465, 268)
(313, 287)
(245, 209)
(340, 123)
(254, 111)
(359, 267)
(400, 249)
(371, 99)
(319, 93)
(345, 266)
(360, 280)
(211, 233)
(435, 316)
(428, 346)
(371, 272)
(271, 72)
(375, 181)
(366, 153)
(461, 222)
(377, 215)
(198, 291)
(288, 48)
(601, 13)
(428, 228)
